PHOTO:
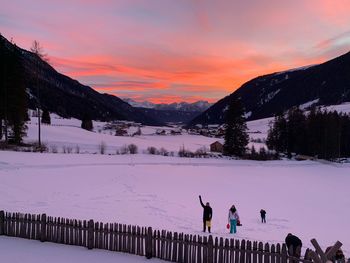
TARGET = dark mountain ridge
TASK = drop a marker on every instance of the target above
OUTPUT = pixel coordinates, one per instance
(69, 98)
(327, 83)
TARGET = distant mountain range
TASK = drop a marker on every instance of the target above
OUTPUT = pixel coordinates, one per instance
(324, 84)
(181, 112)
(198, 106)
(69, 98)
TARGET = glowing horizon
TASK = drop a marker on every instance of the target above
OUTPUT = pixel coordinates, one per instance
(167, 51)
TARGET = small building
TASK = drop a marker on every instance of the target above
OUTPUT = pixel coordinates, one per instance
(217, 147)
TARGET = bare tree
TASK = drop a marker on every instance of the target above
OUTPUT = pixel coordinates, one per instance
(37, 49)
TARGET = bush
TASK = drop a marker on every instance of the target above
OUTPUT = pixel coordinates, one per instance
(87, 124)
(69, 149)
(45, 118)
(77, 149)
(262, 155)
(54, 149)
(185, 153)
(124, 150)
(201, 152)
(102, 147)
(152, 150)
(163, 152)
(42, 148)
(132, 149)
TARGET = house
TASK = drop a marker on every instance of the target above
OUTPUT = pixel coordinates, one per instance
(161, 132)
(216, 147)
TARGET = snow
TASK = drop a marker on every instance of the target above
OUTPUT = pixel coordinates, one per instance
(307, 198)
(269, 96)
(295, 69)
(308, 104)
(33, 251)
(67, 132)
(344, 107)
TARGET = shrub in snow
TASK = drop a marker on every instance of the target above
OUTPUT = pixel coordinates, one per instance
(163, 152)
(201, 152)
(45, 118)
(152, 150)
(132, 148)
(262, 155)
(54, 149)
(86, 123)
(185, 153)
(102, 147)
(69, 149)
(124, 150)
(42, 148)
(77, 149)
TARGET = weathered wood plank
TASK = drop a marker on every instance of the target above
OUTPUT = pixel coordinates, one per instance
(260, 252)
(267, 253)
(221, 250)
(254, 252)
(237, 250)
(227, 251)
(232, 250)
(284, 258)
(242, 252)
(273, 254)
(248, 258)
(175, 246)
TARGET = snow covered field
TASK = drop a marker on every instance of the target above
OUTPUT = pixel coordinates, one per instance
(16, 250)
(309, 199)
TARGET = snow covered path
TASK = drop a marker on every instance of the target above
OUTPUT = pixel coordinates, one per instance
(309, 199)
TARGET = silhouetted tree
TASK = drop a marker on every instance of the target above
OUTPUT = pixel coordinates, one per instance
(13, 99)
(236, 137)
(46, 117)
(86, 123)
(37, 49)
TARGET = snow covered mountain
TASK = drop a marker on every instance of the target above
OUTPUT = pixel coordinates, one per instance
(324, 84)
(198, 106)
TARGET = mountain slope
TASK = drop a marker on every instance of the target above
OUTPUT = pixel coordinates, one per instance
(264, 96)
(69, 98)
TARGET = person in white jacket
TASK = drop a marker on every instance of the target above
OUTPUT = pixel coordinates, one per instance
(233, 217)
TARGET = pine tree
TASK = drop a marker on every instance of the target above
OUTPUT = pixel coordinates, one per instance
(277, 134)
(236, 137)
(13, 99)
(86, 123)
(45, 118)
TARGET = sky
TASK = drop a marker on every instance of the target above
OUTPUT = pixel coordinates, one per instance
(177, 50)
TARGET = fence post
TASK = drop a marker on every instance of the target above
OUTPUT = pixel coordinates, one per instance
(90, 234)
(2, 222)
(210, 249)
(43, 228)
(149, 243)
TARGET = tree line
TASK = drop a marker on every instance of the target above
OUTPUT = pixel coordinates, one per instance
(319, 133)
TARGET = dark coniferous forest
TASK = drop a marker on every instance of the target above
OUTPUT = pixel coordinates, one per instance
(13, 96)
(318, 133)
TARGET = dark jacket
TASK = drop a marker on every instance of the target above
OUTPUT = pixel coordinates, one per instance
(293, 241)
(262, 213)
(207, 211)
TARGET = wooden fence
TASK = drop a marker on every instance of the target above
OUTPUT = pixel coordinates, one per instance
(142, 241)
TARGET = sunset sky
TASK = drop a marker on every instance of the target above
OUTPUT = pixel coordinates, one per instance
(177, 50)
